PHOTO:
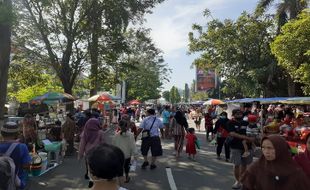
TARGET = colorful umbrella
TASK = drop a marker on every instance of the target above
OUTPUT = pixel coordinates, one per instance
(53, 97)
(213, 102)
(134, 102)
(100, 98)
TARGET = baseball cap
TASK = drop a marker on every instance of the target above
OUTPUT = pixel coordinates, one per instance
(10, 127)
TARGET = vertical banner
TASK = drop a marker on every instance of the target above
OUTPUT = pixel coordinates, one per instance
(205, 80)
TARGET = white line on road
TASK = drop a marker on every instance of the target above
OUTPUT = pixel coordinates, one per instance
(170, 179)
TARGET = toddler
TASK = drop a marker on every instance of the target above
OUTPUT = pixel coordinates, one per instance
(251, 131)
(192, 142)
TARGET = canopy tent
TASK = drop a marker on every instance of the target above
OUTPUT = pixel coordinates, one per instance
(197, 103)
(53, 98)
(103, 97)
(297, 100)
(214, 102)
(261, 100)
(134, 102)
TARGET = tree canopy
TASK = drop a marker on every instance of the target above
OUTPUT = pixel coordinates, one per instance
(292, 49)
(239, 51)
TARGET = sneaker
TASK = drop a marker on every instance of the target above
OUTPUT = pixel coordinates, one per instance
(246, 154)
(144, 165)
(227, 160)
(218, 157)
(237, 185)
(153, 166)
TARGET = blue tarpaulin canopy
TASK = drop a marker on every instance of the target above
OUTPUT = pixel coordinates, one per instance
(261, 100)
(297, 100)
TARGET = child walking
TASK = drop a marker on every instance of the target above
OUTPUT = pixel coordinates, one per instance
(191, 143)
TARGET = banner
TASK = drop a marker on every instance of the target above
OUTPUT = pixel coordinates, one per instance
(205, 80)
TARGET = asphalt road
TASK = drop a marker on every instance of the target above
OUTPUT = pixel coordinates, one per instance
(205, 173)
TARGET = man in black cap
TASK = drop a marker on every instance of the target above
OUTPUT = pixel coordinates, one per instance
(19, 151)
(151, 125)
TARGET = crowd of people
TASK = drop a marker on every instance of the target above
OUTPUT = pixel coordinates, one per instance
(109, 150)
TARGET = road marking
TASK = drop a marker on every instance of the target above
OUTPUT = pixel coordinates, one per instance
(170, 179)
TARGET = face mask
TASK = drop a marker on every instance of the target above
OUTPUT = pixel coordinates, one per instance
(223, 117)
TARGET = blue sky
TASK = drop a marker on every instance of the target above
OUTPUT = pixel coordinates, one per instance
(171, 22)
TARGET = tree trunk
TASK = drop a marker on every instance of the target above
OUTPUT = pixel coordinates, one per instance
(291, 87)
(5, 50)
(67, 85)
(94, 48)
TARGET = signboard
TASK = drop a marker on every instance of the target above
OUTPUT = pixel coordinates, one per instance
(205, 80)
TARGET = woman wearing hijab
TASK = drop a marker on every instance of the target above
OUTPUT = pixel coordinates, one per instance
(91, 136)
(178, 125)
(303, 159)
(275, 169)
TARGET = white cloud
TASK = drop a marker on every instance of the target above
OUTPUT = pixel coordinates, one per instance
(170, 28)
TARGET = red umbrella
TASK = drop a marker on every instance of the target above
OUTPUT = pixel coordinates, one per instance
(134, 102)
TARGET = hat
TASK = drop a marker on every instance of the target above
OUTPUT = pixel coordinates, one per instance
(10, 127)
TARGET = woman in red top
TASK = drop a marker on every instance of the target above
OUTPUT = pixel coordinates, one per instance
(191, 143)
(303, 159)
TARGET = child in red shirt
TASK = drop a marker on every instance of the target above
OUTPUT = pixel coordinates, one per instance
(191, 143)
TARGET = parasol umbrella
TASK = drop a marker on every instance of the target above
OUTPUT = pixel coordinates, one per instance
(134, 102)
(213, 102)
(100, 98)
(53, 97)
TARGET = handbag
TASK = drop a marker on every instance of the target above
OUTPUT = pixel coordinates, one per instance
(146, 133)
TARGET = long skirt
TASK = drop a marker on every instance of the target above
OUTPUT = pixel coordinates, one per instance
(178, 143)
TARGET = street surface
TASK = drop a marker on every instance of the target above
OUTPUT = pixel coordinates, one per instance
(205, 173)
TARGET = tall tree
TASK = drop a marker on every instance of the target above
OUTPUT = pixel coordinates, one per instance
(285, 10)
(6, 17)
(186, 93)
(239, 51)
(107, 21)
(292, 49)
(166, 95)
(143, 69)
(174, 95)
(55, 29)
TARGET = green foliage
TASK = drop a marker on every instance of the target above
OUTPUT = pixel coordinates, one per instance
(80, 37)
(292, 49)
(166, 95)
(186, 93)
(28, 80)
(174, 95)
(7, 16)
(199, 96)
(143, 68)
(239, 51)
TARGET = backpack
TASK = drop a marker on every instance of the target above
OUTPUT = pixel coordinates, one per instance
(8, 178)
